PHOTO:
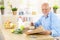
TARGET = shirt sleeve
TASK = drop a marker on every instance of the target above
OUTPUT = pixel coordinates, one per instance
(55, 26)
(55, 29)
(54, 33)
(38, 23)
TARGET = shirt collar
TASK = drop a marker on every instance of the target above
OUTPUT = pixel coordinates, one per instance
(48, 15)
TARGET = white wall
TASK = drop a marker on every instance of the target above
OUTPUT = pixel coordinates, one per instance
(29, 5)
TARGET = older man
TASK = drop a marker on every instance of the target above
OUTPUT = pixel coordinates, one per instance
(48, 21)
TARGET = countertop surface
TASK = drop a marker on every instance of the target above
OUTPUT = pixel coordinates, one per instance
(1, 36)
(11, 36)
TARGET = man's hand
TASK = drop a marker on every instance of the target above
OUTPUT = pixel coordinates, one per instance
(32, 24)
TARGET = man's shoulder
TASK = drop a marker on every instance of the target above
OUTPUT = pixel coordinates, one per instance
(52, 14)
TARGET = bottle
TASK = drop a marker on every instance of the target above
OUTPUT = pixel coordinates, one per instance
(20, 24)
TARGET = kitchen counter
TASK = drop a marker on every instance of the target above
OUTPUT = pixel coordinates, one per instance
(1, 36)
(11, 36)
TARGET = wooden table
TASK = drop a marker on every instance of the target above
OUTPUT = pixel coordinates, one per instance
(10, 36)
(1, 36)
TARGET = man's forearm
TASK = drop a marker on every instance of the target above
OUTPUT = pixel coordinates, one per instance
(37, 30)
(45, 32)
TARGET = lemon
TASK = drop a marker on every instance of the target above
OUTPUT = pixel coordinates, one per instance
(12, 30)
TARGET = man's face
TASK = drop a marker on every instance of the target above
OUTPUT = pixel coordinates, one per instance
(45, 9)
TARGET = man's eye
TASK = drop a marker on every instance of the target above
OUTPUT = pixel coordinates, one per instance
(44, 9)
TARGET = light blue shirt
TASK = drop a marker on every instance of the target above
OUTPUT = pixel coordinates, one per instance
(51, 23)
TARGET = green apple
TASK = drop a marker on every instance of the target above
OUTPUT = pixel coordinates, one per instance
(22, 27)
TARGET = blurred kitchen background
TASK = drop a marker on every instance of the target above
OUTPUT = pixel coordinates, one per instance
(28, 10)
